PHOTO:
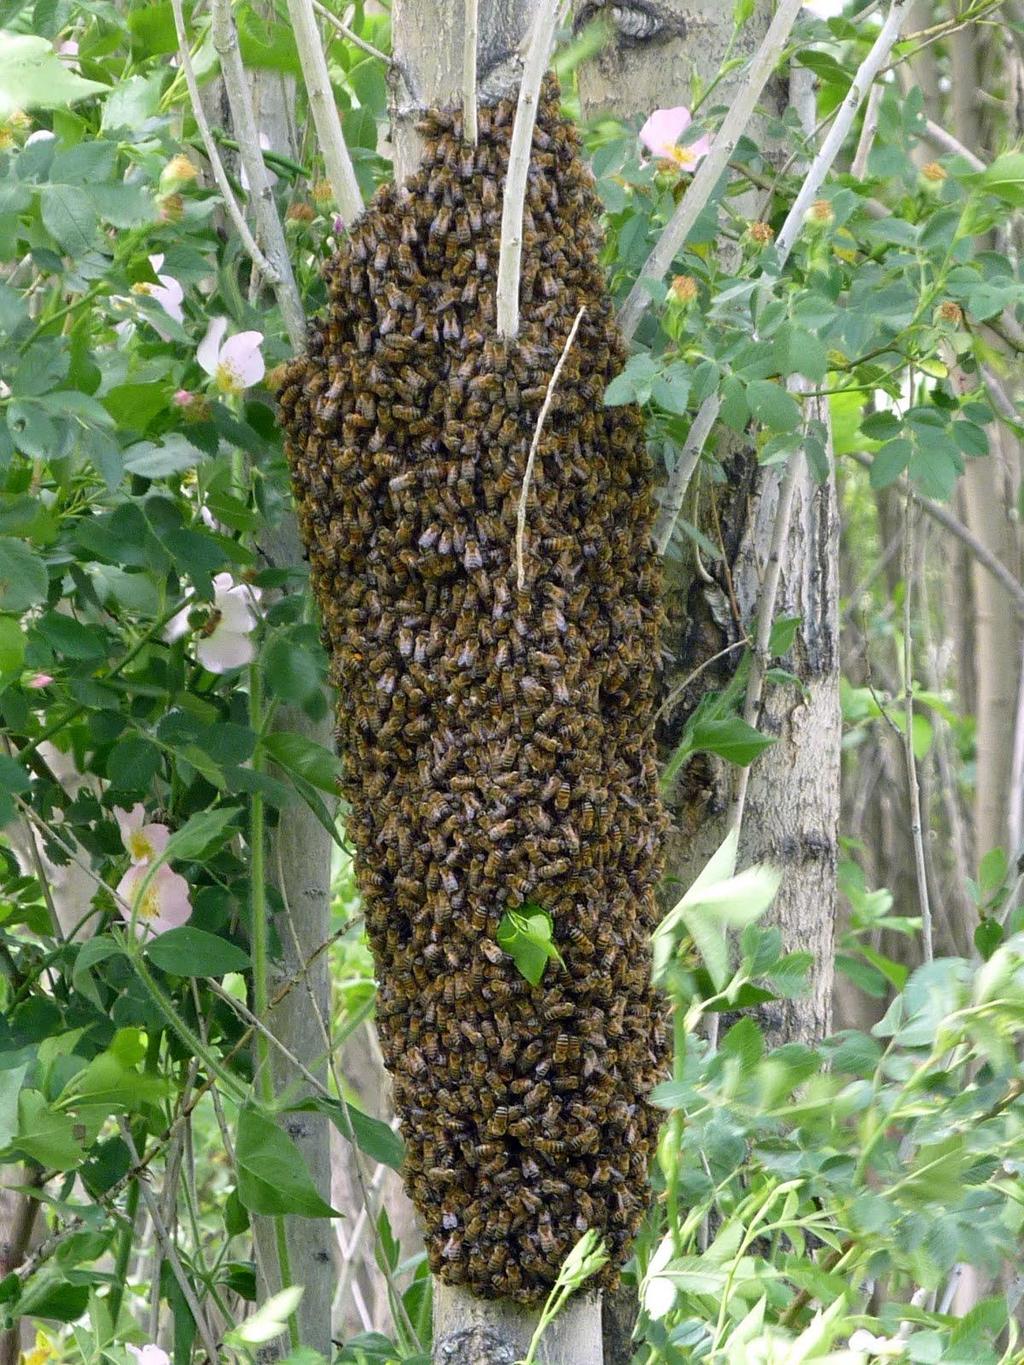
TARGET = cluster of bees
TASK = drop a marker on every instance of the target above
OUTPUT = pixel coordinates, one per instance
(497, 742)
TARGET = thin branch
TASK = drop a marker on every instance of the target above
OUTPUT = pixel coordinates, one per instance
(710, 169)
(868, 131)
(534, 446)
(955, 527)
(677, 691)
(841, 125)
(679, 480)
(268, 220)
(170, 1252)
(946, 142)
(337, 161)
(352, 36)
(510, 253)
(470, 131)
(916, 830)
(213, 155)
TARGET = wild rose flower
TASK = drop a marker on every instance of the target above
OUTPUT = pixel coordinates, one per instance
(661, 134)
(236, 364)
(39, 680)
(164, 905)
(224, 640)
(143, 841)
(168, 293)
(150, 1355)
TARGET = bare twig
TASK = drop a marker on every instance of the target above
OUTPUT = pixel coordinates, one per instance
(955, 527)
(869, 129)
(469, 40)
(534, 447)
(352, 36)
(841, 125)
(710, 170)
(679, 480)
(916, 829)
(170, 1252)
(268, 220)
(337, 161)
(212, 153)
(946, 142)
(680, 687)
(510, 252)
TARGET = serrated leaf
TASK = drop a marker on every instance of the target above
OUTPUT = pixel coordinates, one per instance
(23, 577)
(69, 218)
(32, 76)
(173, 454)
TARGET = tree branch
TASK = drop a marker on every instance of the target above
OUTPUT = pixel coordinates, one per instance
(268, 221)
(841, 125)
(213, 155)
(510, 254)
(317, 79)
(470, 33)
(679, 480)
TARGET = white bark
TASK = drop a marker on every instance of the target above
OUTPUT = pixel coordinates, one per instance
(471, 1331)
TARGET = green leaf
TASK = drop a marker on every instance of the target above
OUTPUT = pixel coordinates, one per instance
(796, 351)
(272, 1175)
(10, 1087)
(172, 455)
(23, 577)
(32, 76)
(783, 634)
(132, 763)
(69, 218)
(1004, 178)
(303, 757)
(194, 952)
(44, 1135)
(199, 831)
(12, 647)
(731, 738)
(890, 462)
(671, 389)
(370, 1135)
(526, 935)
(772, 406)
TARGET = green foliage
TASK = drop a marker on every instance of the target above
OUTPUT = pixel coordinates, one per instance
(527, 935)
(807, 1192)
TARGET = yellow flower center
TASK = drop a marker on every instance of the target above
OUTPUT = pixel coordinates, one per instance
(149, 905)
(142, 287)
(139, 846)
(228, 381)
(684, 157)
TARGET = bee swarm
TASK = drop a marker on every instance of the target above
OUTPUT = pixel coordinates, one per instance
(498, 744)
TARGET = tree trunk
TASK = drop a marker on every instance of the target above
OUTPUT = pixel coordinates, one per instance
(300, 872)
(792, 810)
(793, 800)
